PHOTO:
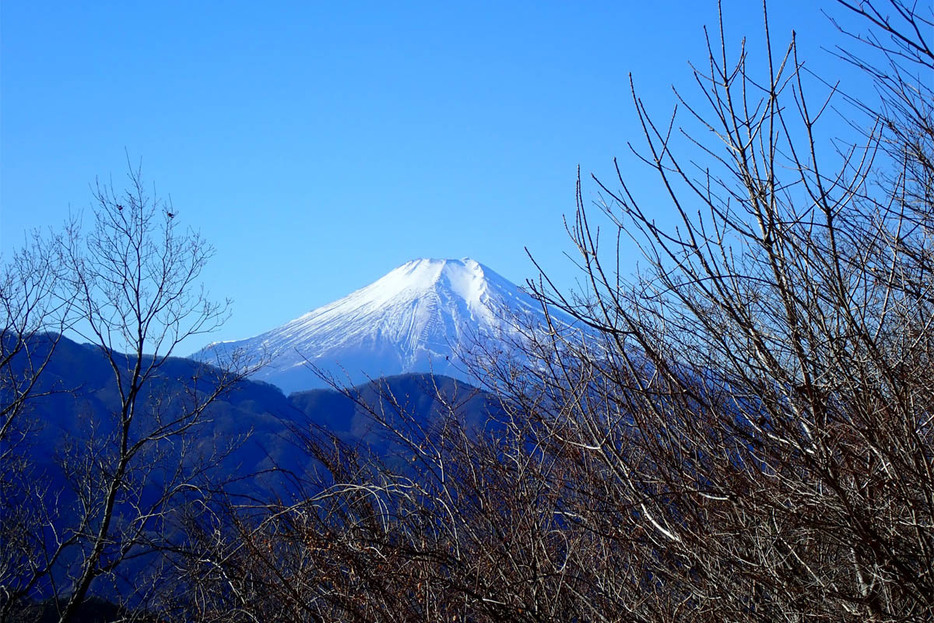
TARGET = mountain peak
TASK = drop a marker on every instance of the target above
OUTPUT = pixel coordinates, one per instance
(431, 270)
(465, 279)
(426, 262)
(419, 317)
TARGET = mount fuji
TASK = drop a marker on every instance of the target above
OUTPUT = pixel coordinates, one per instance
(422, 317)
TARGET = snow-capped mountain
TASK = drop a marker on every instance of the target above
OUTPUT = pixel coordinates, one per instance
(424, 316)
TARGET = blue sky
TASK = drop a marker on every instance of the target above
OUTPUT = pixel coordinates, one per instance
(319, 145)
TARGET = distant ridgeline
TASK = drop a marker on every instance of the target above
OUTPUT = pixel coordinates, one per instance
(250, 440)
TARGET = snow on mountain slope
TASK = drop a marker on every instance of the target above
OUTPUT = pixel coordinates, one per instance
(420, 317)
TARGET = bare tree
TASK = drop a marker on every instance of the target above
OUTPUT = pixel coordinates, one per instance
(28, 309)
(31, 323)
(761, 397)
(132, 287)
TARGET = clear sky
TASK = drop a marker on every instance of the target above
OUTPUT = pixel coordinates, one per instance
(319, 145)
